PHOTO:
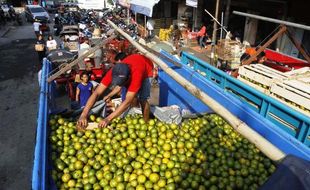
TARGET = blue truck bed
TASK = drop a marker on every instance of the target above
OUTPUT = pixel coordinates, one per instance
(262, 113)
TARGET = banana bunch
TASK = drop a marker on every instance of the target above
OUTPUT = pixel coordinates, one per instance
(164, 34)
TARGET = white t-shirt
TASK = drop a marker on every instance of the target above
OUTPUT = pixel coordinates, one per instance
(36, 26)
(84, 46)
(51, 44)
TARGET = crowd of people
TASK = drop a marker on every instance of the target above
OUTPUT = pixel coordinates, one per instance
(7, 14)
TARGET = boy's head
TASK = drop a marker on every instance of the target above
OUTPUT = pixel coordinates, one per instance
(109, 56)
(86, 40)
(261, 58)
(84, 77)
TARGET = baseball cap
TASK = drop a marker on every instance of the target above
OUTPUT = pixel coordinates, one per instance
(120, 74)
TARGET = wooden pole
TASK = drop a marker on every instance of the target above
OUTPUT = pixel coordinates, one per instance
(215, 20)
(79, 59)
(222, 26)
(298, 45)
(136, 18)
(128, 16)
(227, 12)
(214, 33)
(260, 142)
(272, 39)
(222, 22)
(145, 28)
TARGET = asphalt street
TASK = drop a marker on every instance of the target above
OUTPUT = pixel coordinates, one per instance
(19, 92)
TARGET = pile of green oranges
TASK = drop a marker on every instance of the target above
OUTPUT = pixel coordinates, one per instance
(201, 153)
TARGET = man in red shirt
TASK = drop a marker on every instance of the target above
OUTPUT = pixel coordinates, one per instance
(134, 73)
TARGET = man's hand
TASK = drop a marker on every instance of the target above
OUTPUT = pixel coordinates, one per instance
(82, 122)
(107, 99)
(104, 123)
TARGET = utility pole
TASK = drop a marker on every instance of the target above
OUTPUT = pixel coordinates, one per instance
(214, 32)
(227, 11)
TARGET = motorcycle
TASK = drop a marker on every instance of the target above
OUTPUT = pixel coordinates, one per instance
(18, 19)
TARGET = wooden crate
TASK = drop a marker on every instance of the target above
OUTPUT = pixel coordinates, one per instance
(299, 73)
(226, 49)
(157, 23)
(261, 75)
(257, 87)
(294, 93)
(169, 22)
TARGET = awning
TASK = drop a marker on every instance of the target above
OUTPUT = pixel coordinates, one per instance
(192, 3)
(124, 3)
(144, 7)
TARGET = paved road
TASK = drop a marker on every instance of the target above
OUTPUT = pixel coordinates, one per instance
(18, 108)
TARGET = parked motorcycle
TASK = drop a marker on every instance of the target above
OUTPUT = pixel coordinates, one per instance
(18, 19)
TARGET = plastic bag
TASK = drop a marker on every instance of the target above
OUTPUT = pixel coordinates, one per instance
(170, 114)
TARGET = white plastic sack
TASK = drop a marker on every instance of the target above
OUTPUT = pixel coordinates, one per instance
(169, 114)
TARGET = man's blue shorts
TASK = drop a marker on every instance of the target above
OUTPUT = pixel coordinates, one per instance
(145, 91)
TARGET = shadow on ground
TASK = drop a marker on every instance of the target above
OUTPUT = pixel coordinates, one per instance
(19, 93)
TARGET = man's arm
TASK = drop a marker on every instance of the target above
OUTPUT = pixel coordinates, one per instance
(115, 90)
(82, 122)
(119, 110)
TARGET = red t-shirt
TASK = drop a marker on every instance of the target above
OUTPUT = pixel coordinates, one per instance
(140, 68)
(202, 31)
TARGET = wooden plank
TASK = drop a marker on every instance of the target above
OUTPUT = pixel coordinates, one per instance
(298, 72)
(305, 80)
(79, 59)
(290, 94)
(270, 70)
(298, 45)
(301, 88)
(259, 88)
(306, 112)
(267, 71)
(263, 47)
(260, 69)
(256, 75)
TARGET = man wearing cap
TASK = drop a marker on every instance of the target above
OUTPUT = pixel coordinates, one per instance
(134, 73)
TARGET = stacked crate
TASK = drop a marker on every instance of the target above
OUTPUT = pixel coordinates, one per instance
(291, 88)
(294, 92)
(230, 51)
(260, 76)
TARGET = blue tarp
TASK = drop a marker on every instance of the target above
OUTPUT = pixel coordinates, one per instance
(291, 173)
(144, 7)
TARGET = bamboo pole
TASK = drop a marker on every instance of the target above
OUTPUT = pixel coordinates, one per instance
(260, 142)
(81, 58)
(263, 47)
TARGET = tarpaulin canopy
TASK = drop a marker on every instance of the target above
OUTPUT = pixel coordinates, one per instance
(144, 7)
(192, 3)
